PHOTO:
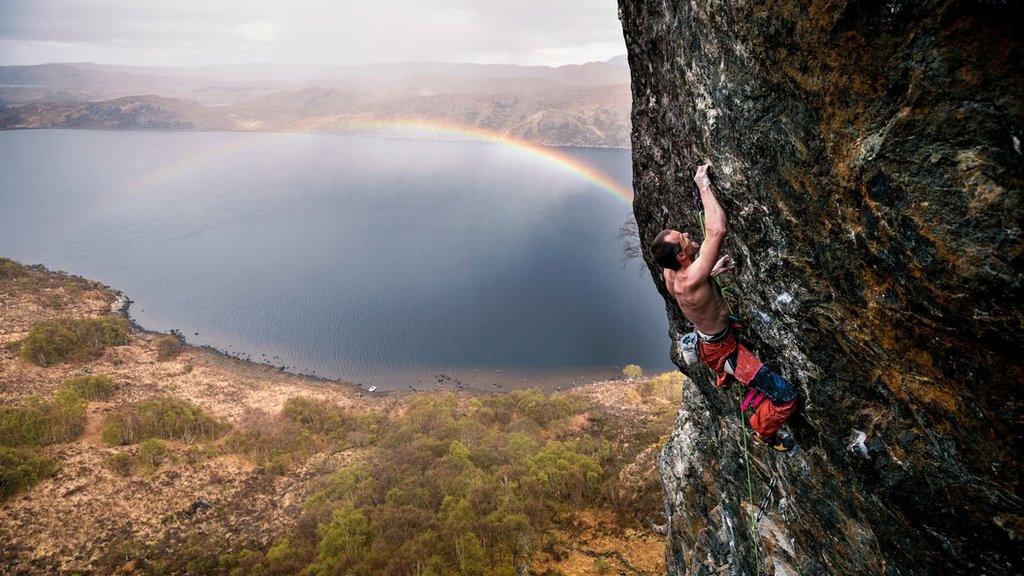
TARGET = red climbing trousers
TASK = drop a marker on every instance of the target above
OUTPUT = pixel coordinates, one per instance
(772, 397)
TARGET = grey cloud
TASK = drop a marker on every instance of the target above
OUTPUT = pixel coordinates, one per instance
(164, 32)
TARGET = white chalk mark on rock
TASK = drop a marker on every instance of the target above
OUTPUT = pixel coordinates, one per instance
(857, 439)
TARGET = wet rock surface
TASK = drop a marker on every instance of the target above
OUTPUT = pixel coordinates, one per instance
(868, 155)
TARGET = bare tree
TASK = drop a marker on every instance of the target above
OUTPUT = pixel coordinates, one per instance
(629, 244)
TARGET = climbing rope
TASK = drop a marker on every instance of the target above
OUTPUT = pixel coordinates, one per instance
(724, 289)
(750, 494)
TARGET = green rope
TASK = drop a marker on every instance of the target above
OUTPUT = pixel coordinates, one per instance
(746, 453)
(750, 494)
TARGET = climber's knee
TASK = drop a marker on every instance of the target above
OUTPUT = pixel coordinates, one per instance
(775, 387)
(769, 417)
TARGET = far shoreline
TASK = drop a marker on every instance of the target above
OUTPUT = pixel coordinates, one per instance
(122, 305)
(312, 132)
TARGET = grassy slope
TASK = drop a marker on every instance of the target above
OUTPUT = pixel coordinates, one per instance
(230, 499)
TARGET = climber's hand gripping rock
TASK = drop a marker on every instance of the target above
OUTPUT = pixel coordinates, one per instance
(725, 264)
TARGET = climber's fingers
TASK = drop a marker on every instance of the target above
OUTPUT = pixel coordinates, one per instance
(724, 264)
(701, 177)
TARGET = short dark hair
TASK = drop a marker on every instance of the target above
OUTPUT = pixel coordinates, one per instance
(664, 253)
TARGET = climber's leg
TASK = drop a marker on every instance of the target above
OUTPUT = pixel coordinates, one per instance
(780, 404)
(775, 387)
(769, 417)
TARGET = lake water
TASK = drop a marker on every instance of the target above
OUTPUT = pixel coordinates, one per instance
(383, 261)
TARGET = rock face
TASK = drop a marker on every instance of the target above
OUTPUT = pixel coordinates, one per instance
(869, 158)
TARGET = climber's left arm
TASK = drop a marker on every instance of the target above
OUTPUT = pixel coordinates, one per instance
(725, 264)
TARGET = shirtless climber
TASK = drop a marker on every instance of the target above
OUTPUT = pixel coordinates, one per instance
(688, 271)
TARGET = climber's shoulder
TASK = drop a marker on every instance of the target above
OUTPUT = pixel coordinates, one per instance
(687, 282)
(670, 277)
(687, 292)
(675, 282)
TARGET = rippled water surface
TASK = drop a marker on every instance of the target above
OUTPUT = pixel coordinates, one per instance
(380, 261)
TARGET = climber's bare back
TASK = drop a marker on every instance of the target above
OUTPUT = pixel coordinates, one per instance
(699, 299)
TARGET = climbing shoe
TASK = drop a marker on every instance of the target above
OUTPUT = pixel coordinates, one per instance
(779, 443)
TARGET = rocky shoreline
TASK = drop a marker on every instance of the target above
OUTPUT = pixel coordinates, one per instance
(122, 307)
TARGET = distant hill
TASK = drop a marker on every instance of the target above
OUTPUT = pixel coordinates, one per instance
(622, 60)
(578, 105)
(127, 113)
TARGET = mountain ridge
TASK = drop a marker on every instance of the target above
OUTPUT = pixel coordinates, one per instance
(575, 105)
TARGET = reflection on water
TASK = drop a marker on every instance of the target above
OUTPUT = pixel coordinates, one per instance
(382, 261)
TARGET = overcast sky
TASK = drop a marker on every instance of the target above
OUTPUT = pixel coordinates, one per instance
(198, 32)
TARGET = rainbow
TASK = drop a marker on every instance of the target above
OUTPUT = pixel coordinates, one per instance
(447, 130)
(169, 170)
(419, 129)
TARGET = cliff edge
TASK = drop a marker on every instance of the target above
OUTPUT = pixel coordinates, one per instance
(868, 155)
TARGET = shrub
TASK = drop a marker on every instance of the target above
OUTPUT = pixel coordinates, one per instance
(191, 554)
(121, 551)
(10, 269)
(360, 438)
(160, 417)
(52, 300)
(286, 558)
(273, 442)
(668, 385)
(317, 416)
(632, 372)
(56, 341)
(168, 347)
(563, 474)
(21, 468)
(533, 404)
(152, 453)
(146, 460)
(39, 423)
(304, 425)
(93, 387)
(122, 463)
(67, 416)
(343, 540)
(454, 486)
(26, 424)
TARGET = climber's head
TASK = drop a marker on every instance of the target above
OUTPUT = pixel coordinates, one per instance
(673, 249)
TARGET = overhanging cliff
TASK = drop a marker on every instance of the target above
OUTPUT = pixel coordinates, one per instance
(869, 158)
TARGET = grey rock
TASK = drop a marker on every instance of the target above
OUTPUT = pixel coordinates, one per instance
(867, 156)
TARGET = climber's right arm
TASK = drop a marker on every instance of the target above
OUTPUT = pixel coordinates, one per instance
(699, 272)
(714, 216)
(714, 231)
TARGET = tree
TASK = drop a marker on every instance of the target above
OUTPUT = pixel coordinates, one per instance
(344, 539)
(632, 372)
